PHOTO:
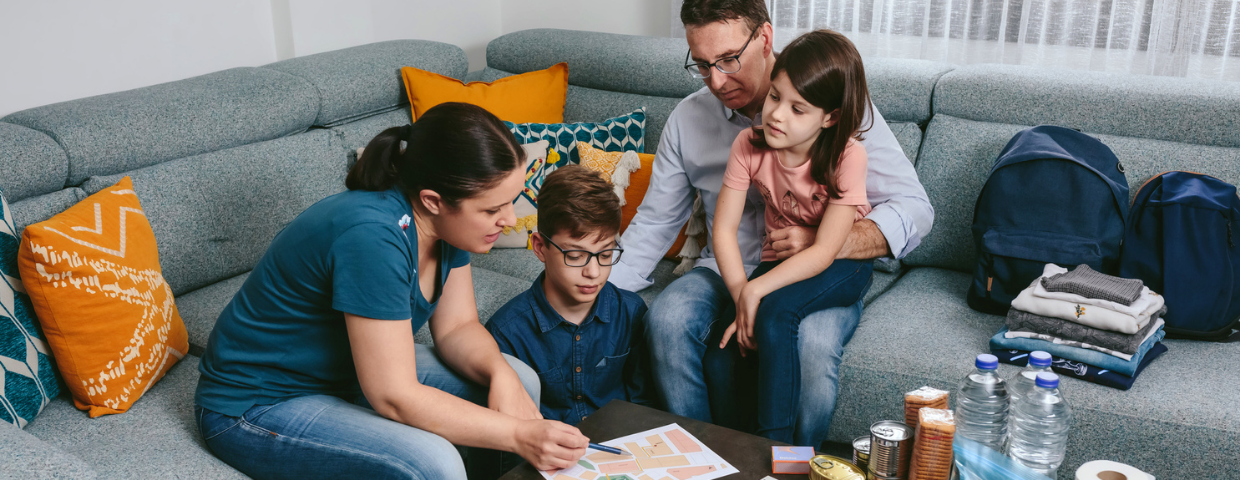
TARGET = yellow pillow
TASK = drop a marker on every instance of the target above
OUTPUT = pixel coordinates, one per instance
(93, 275)
(631, 182)
(533, 97)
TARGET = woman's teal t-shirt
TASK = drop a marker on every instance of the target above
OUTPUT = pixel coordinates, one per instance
(283, 335)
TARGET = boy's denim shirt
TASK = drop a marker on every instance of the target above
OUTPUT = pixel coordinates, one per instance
(581, 367)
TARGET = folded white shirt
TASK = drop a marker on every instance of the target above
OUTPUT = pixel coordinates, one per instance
(1101, 314)
(1139, 306)
(1074, 343)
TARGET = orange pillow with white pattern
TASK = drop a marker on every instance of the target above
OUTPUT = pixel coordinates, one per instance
(93, 276)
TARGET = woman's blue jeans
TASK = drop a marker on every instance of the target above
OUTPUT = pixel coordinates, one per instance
(322, 436)
(776, 331)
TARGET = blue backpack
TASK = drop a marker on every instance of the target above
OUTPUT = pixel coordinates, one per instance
(1054, 195)
(1181, 242)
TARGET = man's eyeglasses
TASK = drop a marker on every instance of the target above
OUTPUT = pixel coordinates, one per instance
(725, 65)
(581, 258)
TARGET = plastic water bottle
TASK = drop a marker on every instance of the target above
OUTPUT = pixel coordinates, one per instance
(1040, 422)
(982, 405)
(1023, 383)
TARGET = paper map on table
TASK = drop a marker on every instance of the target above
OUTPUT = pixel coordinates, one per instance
(664, 453)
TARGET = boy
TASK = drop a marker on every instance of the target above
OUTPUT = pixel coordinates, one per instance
(584, 336)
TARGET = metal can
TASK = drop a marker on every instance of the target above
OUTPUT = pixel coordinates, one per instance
(827, 467)
(891, 448)
(861, 452)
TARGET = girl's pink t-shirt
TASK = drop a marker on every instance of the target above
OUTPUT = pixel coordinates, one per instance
(792, 196)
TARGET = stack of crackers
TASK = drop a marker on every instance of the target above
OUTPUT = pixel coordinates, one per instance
(932, 452)
(924, 397)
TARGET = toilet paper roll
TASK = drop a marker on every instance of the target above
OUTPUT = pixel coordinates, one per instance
(1108, 470)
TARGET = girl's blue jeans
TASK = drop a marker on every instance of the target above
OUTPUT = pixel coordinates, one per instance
(776, 331)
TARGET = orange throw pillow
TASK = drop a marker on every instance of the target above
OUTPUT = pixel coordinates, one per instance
(93, 275)
(639, 181)
(533, 97)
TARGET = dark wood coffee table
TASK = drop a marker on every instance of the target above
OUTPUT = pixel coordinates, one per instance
(750, 454)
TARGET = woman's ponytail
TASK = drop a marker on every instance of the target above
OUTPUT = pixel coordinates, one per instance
(375, 169)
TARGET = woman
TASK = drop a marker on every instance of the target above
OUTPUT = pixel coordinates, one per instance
(312, 370)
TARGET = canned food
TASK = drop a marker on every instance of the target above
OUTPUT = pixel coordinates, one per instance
(891, 448)
(861, 452)
(826, 467)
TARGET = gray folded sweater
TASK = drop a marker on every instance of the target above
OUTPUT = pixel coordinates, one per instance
(1088, 283)
(1022, 321)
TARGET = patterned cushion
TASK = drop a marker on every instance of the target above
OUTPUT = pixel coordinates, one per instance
(617, 134)
(27, 376)
(94, 279)
(540, 160)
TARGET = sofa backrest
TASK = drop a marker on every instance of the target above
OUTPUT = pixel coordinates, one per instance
(221, 162)
(123, 131)
(1152, 124)
(362, 81)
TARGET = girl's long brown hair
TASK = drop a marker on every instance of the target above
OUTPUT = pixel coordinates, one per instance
(825, 68)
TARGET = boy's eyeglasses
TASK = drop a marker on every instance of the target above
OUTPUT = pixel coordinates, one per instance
(581, 258)
(726, 65)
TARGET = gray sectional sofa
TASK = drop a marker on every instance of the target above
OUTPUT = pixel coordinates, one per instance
(223, 161)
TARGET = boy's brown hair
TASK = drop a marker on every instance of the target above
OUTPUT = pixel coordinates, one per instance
(579, 201)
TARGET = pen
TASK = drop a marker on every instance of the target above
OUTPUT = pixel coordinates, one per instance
(611, 450)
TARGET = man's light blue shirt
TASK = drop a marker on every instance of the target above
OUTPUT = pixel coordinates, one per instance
(692, 157)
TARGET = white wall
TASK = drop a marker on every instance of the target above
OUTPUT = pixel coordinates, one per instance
(632, 17)
(58, 50)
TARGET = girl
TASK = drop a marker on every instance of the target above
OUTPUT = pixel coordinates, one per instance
(807, 164)
(311, 370)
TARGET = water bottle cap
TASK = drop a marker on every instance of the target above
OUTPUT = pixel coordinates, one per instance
(987, 361)
(1047, 380)
(1040, 359)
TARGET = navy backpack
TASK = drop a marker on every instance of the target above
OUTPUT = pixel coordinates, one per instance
(1181, 242)
(1054, 195)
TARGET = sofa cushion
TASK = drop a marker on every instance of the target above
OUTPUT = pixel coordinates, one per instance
(123, 131)
(902, 88)
(202, 307)
(93, 275)
(32, 163)
(157, 438)
(42, 207)
(1185, 110)
(215, 214)
(954, 163)
(922, 332)
(909, 136)
(361, 81)
(652, 65)
(25, 456)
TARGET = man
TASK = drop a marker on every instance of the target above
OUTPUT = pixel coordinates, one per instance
(730, 45)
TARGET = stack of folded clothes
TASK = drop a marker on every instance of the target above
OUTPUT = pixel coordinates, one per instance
(1099, 328)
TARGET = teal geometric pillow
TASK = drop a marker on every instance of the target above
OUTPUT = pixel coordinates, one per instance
(621, 134)
(27, 373)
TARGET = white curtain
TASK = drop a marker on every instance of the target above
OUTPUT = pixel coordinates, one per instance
(1186, 38)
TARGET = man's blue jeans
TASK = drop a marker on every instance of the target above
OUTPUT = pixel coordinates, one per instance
(322, 436)
(698, 380)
